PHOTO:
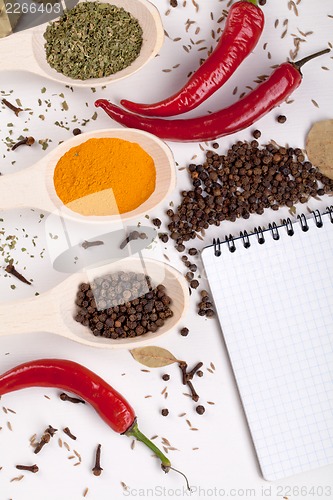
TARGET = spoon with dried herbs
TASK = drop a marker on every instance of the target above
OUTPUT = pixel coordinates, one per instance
(73, 49)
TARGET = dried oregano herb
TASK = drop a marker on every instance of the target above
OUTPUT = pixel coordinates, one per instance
(93, 40)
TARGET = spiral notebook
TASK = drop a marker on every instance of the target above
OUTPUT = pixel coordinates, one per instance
(273, 291)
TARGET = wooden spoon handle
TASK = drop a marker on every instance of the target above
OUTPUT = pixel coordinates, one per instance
(26, 188)
(36, 314)
(16, 53)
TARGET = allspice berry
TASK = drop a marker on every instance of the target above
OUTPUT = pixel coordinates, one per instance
(165, 412)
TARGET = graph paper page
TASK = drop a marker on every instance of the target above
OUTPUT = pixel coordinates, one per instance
(275, 306)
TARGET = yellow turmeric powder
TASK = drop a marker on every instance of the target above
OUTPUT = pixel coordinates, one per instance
(104, 176)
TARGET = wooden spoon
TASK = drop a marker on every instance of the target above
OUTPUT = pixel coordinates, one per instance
(25, 50)
(54, 310)
(34, 187)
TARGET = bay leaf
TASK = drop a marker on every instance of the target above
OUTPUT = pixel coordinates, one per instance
(153, 357)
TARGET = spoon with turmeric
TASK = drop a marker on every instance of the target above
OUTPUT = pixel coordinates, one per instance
(98, 176)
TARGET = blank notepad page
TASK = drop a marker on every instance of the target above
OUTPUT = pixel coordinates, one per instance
(275, 306)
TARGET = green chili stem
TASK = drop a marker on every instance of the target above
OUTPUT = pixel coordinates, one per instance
(255, 2)
(135, 432)
(300, 63)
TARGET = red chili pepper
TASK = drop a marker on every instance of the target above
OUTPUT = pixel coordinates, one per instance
(267, 95)
(75, 378)
(244, 25)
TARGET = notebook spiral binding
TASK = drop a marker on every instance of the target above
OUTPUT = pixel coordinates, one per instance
(273, 229)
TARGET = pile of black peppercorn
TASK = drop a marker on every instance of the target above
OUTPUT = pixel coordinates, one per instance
(245, 181)
(121, 305)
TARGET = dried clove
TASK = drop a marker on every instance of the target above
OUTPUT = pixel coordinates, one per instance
(97, 469)
(51, 430)
(12, 107)
(64, 397)
(10, 268)
(86, 244)
(28, 141)
(134, 235)
(68, 433)
(188, 376)
(31, 468)
(44, 440)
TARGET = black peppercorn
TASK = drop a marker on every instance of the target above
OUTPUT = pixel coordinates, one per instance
(166, 377)
(184, 332)
(281, 119)
(165, 412)
(77, 131)
(200, 409)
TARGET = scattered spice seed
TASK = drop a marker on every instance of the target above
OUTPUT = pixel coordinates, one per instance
(69, 434)
(30, 468)
(97, 469)
(28, 141)
(60, 442)
(315, 103)
(184, 332)
(166, 377)
(12, 107)
(64, 397)
(88, 244)
(9, 425)
(66, 445)
(18, 478)
(10, 268)
(165, 412)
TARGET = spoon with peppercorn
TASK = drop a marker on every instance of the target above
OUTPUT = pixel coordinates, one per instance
(123, 304)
